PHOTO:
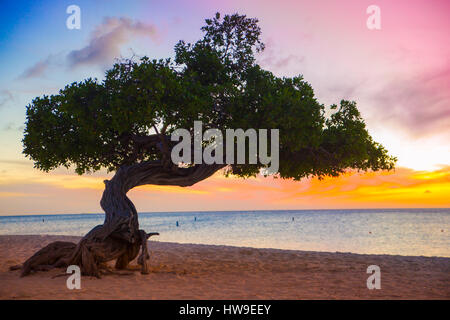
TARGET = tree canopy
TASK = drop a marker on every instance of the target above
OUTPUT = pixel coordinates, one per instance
(127, 118)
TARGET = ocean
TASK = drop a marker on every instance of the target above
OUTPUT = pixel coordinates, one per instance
(416, 232)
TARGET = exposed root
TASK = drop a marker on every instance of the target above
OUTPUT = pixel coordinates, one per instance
(16, 267)
(56, 254)
(90, 254)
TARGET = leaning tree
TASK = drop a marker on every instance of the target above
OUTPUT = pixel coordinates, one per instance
(123, 124)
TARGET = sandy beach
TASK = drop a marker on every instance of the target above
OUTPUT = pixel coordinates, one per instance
(192, 271)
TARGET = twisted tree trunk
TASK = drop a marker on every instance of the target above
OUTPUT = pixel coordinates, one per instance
(119, 237)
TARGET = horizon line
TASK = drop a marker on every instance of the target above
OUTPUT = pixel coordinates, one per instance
(250, 210)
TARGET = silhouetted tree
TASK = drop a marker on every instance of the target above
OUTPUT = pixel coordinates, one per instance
(124, 122)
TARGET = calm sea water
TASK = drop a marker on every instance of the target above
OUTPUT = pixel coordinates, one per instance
(423, 232)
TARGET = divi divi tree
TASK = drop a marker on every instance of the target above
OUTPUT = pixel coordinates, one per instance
(124, 123)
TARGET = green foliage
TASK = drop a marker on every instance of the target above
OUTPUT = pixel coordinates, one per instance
(93, 125)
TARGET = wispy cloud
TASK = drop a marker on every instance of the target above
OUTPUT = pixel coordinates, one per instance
(5, 97)
(277, 61)
(402, 188)
(107, 39)
(420, 104)
(38, 69)
(104, 46)
(11, 126)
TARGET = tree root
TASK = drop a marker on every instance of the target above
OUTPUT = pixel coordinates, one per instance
(56, 254)
(90, 254)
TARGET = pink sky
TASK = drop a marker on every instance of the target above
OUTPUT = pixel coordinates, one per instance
(399, 76)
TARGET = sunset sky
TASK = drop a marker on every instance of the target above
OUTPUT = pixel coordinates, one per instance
(399, 76)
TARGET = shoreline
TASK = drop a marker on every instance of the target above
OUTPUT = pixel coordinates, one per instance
(200, 271)
(77, 238)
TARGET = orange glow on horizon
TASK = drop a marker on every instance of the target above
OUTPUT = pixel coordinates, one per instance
(62, 190)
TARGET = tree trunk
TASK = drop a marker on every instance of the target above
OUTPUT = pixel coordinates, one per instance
(119, 237)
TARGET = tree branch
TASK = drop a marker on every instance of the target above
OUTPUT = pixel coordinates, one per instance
(153, 172)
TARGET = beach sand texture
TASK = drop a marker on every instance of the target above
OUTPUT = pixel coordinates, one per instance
(192, 271)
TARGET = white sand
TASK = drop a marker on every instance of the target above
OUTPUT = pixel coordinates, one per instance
(190, 271)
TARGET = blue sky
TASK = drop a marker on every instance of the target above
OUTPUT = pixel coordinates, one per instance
(398, 75)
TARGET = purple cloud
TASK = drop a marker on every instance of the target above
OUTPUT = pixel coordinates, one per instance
(104, 45)
(107, 38)
(278, 62)
(36, 70)
(420, 104)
